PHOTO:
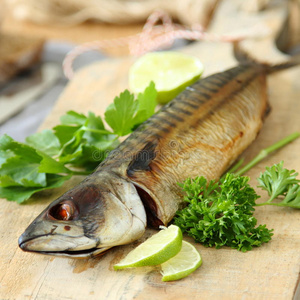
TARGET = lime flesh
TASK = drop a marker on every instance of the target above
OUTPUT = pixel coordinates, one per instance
(171, 72)
(182, 264)
(157, 249)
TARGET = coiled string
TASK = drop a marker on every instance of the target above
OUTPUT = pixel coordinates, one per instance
(156, 36)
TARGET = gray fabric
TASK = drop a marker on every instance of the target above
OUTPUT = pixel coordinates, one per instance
(30, 118)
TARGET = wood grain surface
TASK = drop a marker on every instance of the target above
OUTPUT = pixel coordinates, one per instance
(268, 272)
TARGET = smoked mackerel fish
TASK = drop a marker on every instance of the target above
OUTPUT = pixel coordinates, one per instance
(199, 133)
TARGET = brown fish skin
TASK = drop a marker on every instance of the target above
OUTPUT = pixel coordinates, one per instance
(200, 133)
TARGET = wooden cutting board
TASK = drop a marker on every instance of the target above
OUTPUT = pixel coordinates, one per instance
(268, 272)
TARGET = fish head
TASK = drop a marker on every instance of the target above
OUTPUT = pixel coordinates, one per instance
(87, 220)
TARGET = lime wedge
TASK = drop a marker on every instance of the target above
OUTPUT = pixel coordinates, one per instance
(182, 264)
(171, 72)
(155, 250)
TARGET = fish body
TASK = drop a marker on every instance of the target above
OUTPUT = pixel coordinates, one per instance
(199, 133)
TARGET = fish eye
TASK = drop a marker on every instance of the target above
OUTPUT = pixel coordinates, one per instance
(64, 211)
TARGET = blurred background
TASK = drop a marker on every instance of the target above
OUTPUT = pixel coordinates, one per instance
(35, 36)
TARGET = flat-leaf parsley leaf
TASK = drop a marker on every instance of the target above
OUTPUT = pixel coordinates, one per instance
(125, 113)
(50, 157)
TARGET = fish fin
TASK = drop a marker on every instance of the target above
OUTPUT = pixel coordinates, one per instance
(142, 159)
(245, 59)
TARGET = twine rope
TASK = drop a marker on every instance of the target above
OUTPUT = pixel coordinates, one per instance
(156, 36)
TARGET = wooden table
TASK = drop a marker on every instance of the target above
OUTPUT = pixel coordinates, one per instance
(268, 272)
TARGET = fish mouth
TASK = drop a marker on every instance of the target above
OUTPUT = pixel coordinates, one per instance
(78, 253)
(26, 245)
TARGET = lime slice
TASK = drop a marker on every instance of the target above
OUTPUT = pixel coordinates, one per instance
(155, 250)
(171, 72)
(182, 264)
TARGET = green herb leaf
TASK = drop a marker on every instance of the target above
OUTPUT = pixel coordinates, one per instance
(73, 118)
(280, 182)
(82, 138)
(125, 113)
(119, 116)
(65, 133)
(21, 167)
(79, 141)
(22, 171)
(25, 170)
(5, 155)
(222, 214)
(45, 141)
(50, 165)
(146, 104)
(12, 148)
(20, 193)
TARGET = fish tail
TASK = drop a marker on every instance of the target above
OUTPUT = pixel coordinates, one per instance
(280, 67)
(245, 59)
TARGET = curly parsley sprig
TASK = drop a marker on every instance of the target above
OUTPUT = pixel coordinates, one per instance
(220, 213)
(282, 184)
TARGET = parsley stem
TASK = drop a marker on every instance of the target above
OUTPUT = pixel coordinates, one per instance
(80, 172)
(267, 203)
(101, 131)
(265, 152)
(274, 204)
